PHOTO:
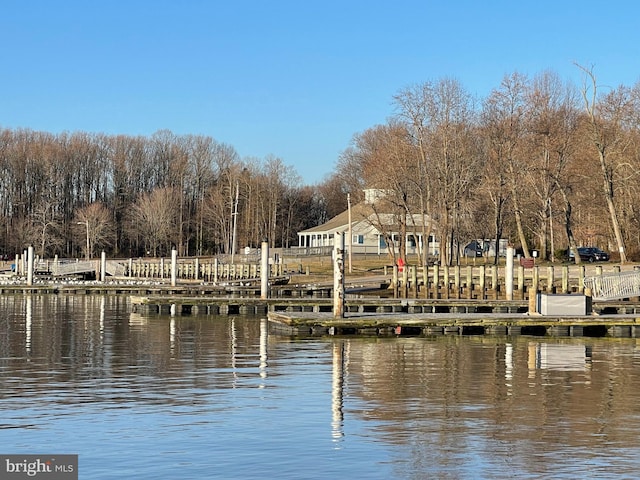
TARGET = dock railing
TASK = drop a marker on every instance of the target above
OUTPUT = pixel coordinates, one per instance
(614, 286)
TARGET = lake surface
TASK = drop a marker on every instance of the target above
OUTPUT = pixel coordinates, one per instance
(218, 397)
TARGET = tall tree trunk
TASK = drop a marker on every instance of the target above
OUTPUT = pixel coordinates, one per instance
(497, 217)
(518, 216)
(608, 193)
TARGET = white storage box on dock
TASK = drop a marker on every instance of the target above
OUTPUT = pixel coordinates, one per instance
(563, 304)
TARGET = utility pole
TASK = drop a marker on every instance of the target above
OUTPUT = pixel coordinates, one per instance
(235, 224)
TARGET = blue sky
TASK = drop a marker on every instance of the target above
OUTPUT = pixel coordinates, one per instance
(292, 79)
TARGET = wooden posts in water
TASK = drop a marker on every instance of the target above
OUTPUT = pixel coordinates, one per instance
(338, 275)
(582, 275)
(484, 282)
(204, 270)
(405, 280)
(264, 271)
(436, 281)
(30, 265)
(414, 281)
(509, 273)
(565, 279)
(533, 293)
(103, 267)
(394, 280)
(445, 281)
(174, 267)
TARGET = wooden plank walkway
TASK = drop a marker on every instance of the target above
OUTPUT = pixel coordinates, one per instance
(384, 317)
(293, 311)
(385, 324)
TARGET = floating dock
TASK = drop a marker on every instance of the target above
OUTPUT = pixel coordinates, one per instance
(385, 317)
(427, 324)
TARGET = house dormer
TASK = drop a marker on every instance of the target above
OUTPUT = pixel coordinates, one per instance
(372, 195)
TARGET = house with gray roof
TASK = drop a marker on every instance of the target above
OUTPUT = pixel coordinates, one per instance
(368, 228)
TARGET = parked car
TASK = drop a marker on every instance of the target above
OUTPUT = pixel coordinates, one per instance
(473, 249)
(591, 254)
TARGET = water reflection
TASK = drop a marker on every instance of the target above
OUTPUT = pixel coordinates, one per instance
(28, 322)
(264, 338)
(83, 372)
(337, 389)
(558, 356)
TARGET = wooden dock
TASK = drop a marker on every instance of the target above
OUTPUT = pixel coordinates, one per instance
(384, 317)
(424, 324)
(308, 310)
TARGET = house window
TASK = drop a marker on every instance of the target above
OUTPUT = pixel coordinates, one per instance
(411, 241)
(382, 243)
(358, 239)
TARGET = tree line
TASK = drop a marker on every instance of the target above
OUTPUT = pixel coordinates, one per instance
(547, 164)
(78, 194)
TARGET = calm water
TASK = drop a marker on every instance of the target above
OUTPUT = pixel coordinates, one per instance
(216, 397)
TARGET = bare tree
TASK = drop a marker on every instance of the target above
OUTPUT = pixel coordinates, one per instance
(155, 215)
(442, 118)
(45, 220)
(24, 233)
(215, 221)
(456, 158)
(552, 124)
(606, 118)
(504, 124)
(388, 167)
(412, 106)
(331, 198)
(93, 223)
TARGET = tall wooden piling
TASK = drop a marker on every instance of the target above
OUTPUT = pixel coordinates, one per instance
(338, 275)
(533, 293)
(174, 267)
(414, 281)
(264, 270)
(494, 281)
(30, 265)
(521, 281)
(509, 274)
(405, 280)
(550, 279)
(445, 281)
(565, 279)
(396, 283)
(436, 281)
(103, 267)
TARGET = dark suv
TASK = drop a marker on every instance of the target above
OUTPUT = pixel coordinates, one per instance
(591, 254)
